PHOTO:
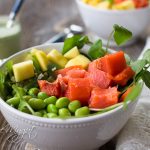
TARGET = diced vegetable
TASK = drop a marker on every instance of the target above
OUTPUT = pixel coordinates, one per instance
(78, 60)
(102, 98)
(23, 70)
(104, 5)
(57, 58)
(72, 53)
(42, 59)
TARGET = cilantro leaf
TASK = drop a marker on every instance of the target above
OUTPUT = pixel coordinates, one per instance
(96, 50)
(121, 34)
(76, 40)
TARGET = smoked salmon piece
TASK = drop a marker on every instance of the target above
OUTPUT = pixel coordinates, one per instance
(102, 98)
(51, 89)
(123, 77)
(113, 63)
(64, 71)
(79, 89)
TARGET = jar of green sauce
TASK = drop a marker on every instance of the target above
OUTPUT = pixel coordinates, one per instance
(9, 38)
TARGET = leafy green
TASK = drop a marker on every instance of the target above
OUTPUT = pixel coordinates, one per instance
(146, 78)
(146, 55)
(23, 104)
(121, 34)
(3, 92)
(76, 40)
(134, 93)
(138, 65)
(96, 50)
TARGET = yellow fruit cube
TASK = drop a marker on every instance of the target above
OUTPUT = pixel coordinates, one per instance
(56, 57)
(104, 5)
(42, 59)
(23, 70)
(78, 60)
(72, 53)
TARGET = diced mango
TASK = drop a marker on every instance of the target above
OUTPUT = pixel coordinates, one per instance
(78, 60)
(72, 53)
(34, 50)
(125, 5)
(23, 70)
(94, 2)
(104, 5)
(57, 58)
(42, 59)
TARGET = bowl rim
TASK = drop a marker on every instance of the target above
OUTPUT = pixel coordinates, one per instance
(109, 11)
(55, 120)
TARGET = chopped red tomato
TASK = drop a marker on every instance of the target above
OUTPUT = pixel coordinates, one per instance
(76, 73)
(51, 89)
(102, 98)
(140, 3)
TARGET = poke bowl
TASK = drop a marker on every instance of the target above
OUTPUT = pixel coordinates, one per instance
(101, 20)
(70, 130)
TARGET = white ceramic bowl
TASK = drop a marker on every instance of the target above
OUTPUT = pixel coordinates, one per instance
(101, 21)
(86, 133)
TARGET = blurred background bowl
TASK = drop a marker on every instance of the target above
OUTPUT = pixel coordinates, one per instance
(102, 21)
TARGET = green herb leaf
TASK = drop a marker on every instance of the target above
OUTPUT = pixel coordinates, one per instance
(96, 50)
(23, 104)
(3, 93)
(138, 65)
(121, 34)
(146, 55)
(135, 92)
(146, 78)
(76, 40)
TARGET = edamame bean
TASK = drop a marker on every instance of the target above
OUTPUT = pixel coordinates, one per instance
(42, 95)
(43, 111)
(51, 115)
(83, 111)
(74, 105)
(33, 92)
(45, 116)
(37, 104)
(13, 101)
(24, 109)
(64, 112)
(50, 100)
(51, 108)
(62, 102)
(39, 114)
(27, 97)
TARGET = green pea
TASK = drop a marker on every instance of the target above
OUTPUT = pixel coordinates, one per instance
(27, 97)
(74, 105)
(13, 101)
(33, 92)
(83, 111)
(51, 108)
(37, 104)
(51, 115)
(62, 102)
(64, 112)
(42, 95)
(50, 100)
(38, 114)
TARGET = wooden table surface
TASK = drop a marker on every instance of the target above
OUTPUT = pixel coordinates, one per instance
(40, 20)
